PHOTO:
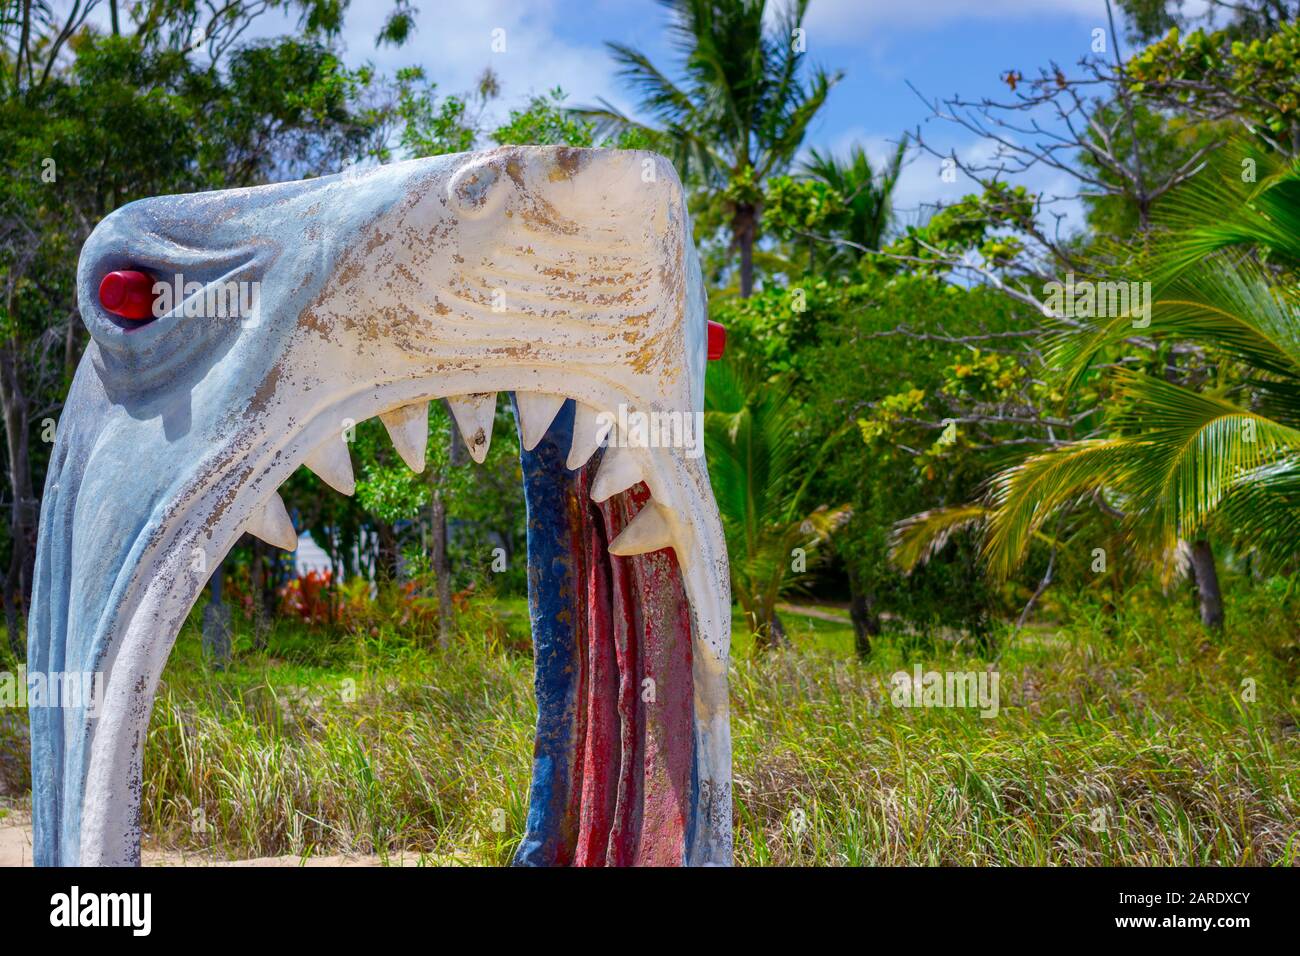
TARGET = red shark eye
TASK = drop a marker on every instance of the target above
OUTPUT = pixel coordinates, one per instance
(128, 294)
(717, 340)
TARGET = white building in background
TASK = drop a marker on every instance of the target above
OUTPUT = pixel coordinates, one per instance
(310, 556)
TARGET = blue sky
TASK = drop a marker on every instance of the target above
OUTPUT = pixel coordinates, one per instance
(941, 46)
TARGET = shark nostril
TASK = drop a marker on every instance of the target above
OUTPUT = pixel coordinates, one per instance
(128, 293)
(475, 190)
(717, 340)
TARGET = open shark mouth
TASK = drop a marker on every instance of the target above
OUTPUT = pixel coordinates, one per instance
(565, 277)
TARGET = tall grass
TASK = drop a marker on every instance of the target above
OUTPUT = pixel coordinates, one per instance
(1136, 754)
(1120, 740)
(423, 751)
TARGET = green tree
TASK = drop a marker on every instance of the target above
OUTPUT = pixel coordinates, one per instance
(741, 111)
(760, 480)
(1182, 461)
(866, 192)
(433, 127)
(925, 385)
(801, 212)
(165, 101)
(1225, 74)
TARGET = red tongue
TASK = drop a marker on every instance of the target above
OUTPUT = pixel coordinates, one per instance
(636, 740)
(614, 763)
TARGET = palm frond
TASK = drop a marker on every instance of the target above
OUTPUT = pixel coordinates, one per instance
(788, 126)
(1195, 449)
(867, 192)
(1186, 462)
(1246, 198)
(658, 95)
(1263, 510)
(739, 102)
(1022, 497)
(1188, 455)
(759, 476)
(1238, 310)
(918, 538)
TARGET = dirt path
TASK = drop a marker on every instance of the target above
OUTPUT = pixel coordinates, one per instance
(16, 850)
(818, 612)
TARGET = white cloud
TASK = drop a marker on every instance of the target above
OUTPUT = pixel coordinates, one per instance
(853, 20)
(453, 42)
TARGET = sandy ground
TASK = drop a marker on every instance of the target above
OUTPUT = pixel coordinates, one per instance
(16, 850)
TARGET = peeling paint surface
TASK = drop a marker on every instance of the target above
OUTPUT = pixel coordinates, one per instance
(553, 274)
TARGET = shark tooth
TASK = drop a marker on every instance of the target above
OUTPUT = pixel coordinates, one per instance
(474, 415)
(271, 523)
(408, 427)
(590, 430)
(619, 471)
(536, 412)
(648, 531)
(332, 464)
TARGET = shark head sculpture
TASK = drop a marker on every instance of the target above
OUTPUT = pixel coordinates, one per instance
(567, 277)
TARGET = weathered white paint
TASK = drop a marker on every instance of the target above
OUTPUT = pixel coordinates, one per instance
(543, 271)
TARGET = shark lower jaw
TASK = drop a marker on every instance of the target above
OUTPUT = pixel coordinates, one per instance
(89, 813)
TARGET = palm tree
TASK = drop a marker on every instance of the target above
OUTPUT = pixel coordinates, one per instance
(741, 111)
(760, 476)
(867, 193)
(1182, 462)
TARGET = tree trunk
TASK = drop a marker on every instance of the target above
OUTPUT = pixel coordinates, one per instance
(862, 611)
(216, 623)
(22, 518)
(441, 565)
(1206, 578)
(457, 455)
(72, 347)
(256, 584)
(776, 630)
(744, 230)
(769, 630)
(389, 552)
(262, 583)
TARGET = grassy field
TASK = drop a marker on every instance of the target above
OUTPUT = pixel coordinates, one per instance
(1118, 741)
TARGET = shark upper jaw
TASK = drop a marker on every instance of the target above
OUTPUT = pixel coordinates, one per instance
(376, 298)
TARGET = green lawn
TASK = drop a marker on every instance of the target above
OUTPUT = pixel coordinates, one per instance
(1132, 747)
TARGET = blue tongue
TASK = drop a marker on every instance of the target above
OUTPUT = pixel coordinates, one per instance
(555, 509)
